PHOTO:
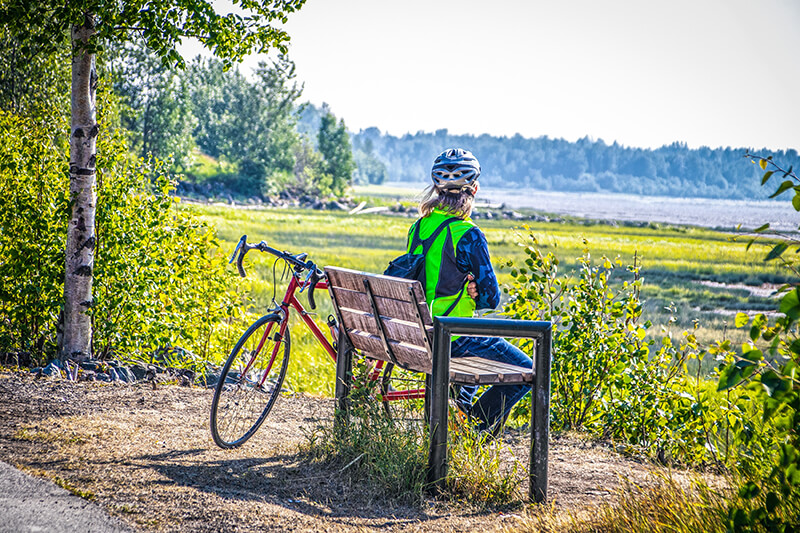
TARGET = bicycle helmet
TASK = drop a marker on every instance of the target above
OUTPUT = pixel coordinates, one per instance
(455, 168)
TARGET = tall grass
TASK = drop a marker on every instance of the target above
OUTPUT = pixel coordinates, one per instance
(664, 505)
(390, 453)
(673, 260)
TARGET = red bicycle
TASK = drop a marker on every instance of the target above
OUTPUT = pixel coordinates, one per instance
(251, 379)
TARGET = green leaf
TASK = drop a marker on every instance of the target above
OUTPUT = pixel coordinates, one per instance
(753, 355)
(793, 475)
(786, 185)
(771, 382)
(741, 320)
(790, 304)
(729, 377)
(776, 251)
(761, 228)
(796, 200)
(795, 346)
(766, 177)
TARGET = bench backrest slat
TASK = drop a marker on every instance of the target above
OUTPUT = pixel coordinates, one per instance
(412, 357)
(395, 299)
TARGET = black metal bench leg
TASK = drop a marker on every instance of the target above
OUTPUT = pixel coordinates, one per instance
(344, 378)
(440, 379)
(540, 420)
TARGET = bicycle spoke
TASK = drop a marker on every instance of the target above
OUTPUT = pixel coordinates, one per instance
(250, 382)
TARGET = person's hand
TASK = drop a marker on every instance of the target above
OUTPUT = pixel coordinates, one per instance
(472, 287)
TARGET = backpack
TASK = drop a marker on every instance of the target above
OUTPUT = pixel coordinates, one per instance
(412, 266)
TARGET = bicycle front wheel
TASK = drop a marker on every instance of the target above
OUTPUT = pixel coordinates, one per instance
(250, 381)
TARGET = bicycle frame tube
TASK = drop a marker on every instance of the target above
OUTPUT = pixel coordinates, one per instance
(257, 351)
(290, 300)
(412, 394)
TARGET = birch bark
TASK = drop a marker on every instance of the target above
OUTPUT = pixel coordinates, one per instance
(77, 333)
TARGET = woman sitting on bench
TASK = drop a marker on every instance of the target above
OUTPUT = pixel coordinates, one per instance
(459, 279)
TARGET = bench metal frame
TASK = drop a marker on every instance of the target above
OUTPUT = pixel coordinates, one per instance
(443, 329)
(435, 337)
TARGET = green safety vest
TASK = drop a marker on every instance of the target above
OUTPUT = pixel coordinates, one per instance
(444, 283)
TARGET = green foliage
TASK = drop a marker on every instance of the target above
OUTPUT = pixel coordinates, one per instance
(479, 471)
(369, 168)
(33, 81)
(334, 144)
(33, 219)
(156, 109)
(771, 495)
(251, 124)
(162, 24)
(157, 280)
(611, 376)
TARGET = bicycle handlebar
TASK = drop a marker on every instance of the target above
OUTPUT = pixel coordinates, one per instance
(314, 275)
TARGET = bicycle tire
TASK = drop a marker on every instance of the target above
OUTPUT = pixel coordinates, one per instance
(242, 400)
(396, 380)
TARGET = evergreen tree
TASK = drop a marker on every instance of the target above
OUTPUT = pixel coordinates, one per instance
(334, 144)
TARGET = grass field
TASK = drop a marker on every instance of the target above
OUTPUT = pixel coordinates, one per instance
(674, 261)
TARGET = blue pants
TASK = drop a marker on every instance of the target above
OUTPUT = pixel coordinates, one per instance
(496, 402)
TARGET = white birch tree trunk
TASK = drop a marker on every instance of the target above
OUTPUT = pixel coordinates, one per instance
(77, 335)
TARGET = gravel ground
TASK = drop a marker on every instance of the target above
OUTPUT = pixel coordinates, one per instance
(145, 455)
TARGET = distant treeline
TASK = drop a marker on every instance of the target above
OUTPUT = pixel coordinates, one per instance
(585, 165)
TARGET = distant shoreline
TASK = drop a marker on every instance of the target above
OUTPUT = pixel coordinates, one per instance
(705, 212)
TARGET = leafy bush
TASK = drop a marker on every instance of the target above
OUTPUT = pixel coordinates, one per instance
(34, 183)
(610, 375)
(767, 369)
(157, 280)
(160, 280)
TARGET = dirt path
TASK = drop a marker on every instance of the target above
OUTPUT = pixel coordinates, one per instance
(146, 456)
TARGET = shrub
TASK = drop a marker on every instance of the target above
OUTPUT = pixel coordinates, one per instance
(158, 282)
(767, 368)
(611, 376)
(34, 184)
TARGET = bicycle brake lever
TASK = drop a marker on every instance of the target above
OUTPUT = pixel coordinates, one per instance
(241, 247)
(314, 278)
(238, 245)
(305, 283)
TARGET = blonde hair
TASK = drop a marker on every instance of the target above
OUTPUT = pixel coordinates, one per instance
(454, 202)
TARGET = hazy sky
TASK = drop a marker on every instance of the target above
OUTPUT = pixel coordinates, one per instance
(642, 73)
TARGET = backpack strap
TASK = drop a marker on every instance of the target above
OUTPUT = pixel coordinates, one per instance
(426, 244)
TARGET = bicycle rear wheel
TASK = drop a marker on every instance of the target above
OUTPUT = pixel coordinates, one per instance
(250, 381)
(402, 394)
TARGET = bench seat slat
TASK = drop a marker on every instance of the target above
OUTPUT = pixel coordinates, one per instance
(479, 371)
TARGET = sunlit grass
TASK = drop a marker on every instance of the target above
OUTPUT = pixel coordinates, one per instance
(673, 259)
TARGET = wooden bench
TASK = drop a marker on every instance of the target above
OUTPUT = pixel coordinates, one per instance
(387, 318)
